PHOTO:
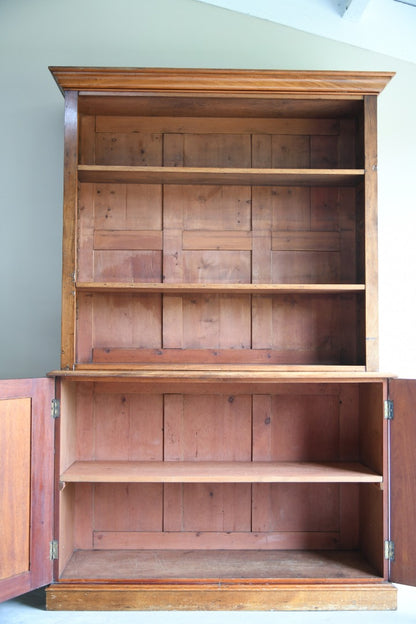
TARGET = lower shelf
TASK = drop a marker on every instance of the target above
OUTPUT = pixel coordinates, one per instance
(151, 580)
(155, 566)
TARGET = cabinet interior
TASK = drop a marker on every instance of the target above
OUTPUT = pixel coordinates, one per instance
(192, 480)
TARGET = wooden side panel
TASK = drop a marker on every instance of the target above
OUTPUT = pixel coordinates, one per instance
(403, 481)
(69, 230)
(371, 241)
(26, 495)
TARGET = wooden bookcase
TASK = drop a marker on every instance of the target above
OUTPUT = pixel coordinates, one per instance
(222, 441)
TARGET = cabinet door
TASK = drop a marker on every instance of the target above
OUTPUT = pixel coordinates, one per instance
(26, 485)
(403, 480)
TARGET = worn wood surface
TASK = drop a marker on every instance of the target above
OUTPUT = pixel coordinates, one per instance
(217, 288)
(26, 510)
(403, 480)
(15, 438)
(225, 240)
(371, 232)
(213, 565)
(70, 208)
(222, 472)
(223, 81)
(128, 174)
(282, 597)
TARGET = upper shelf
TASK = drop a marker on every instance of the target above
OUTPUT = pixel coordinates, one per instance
(184, 288)
(216, 175)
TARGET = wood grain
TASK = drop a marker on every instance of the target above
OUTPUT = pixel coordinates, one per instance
(27, 442)
(218, 472)
(69, 233)
(403, 481)
(220, 81)
(15, 438)
(126, 174)
(243, 597)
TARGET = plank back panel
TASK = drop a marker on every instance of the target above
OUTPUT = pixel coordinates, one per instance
(306, 422)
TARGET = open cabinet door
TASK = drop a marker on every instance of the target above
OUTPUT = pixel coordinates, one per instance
(403, 481)
(26, 485)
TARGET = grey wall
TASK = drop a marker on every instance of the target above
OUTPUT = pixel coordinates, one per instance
(166, 33)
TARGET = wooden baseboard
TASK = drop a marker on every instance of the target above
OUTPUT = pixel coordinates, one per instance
(191, 597)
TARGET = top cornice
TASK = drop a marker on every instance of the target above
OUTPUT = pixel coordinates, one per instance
(216, 81)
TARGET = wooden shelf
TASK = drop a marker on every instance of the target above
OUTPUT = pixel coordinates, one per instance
(215, 175)
(263, 289)
(217, 472)
(162, 564)
(221, 373)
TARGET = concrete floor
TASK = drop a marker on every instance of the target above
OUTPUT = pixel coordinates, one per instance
(31, 608)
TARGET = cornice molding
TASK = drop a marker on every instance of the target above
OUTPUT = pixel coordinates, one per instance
(216, 81)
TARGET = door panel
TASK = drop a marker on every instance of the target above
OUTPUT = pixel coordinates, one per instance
(26, 486)
(403, 480)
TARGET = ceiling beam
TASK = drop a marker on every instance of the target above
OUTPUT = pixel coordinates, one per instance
(353, 9)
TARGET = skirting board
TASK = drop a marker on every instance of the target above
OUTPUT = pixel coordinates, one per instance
(213, 597)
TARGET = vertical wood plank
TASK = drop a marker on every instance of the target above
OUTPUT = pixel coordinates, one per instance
(85, 242)
(135, 148)
(207, 507)
(261, 151)
(128, 427)
(172, 323)
(83, 516)
(296, 428)
(127, 507)
(69, 231)
(296, 507)
(261, 256)
(347, 226)
(87, 139)
(173, 150)
(349, 516)
(207, 427)
(348, 422)
(291, 151)
(347, 144)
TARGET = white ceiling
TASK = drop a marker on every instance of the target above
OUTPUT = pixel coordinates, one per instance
(384, 26)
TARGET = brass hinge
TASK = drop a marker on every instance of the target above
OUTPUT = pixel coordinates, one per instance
(53, 550)
(55, 408)
(389, 550)
(388, 409)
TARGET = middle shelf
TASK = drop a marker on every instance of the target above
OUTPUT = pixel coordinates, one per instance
(124, 174)
(218, 472)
